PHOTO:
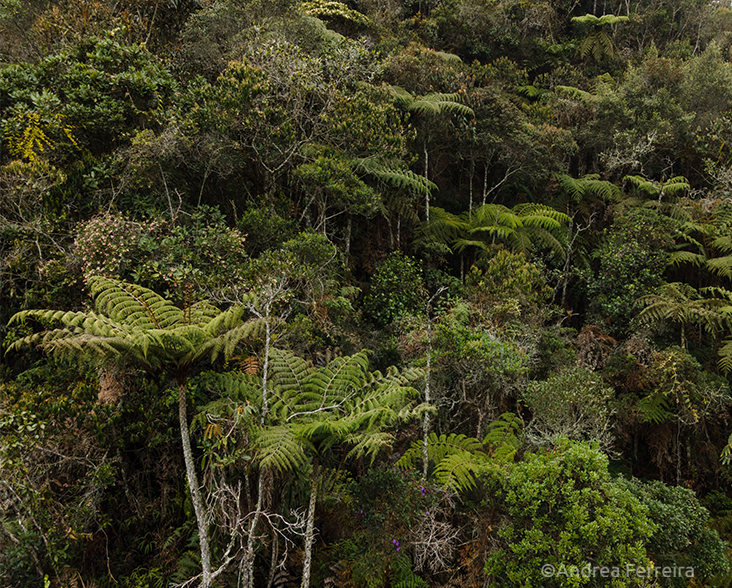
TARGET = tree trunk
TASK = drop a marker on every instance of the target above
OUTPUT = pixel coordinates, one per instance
(310, 530)
(427, 397)
(249, 554)
(485, 182)
(426, 176)
(193, 486)
(427, 391)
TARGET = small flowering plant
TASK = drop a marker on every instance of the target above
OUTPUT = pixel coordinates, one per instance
(388, 506)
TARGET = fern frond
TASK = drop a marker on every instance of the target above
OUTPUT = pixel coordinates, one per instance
(133, 305)
(369, 444)
(725, 357)
(574, 93)
(459, 470)
(721, 266)
(402, 179)
(682, 257)
(282, 449)
(438, 448)
(654, 408)
(502, 436)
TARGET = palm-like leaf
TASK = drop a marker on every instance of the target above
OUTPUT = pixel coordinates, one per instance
(680, 303)
(457, 458)
(139, 323)
(402, 179)
(522, 228)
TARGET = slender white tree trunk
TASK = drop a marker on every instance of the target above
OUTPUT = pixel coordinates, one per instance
(426, 177)
(310, 530)
(193, 486)
(427, 397)
(249, 555)
(427, 390)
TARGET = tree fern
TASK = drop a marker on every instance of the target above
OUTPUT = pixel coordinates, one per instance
(430, 104)
(680, 303)
(402, 179)
(142, 326)
(574, 93)
(503, 436)
(457, 458)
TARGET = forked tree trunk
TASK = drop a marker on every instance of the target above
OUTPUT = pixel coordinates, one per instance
(193, 486)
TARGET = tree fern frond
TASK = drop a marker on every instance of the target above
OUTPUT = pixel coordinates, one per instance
(287, 377)
(502, 436)
(721, 266)
(459, 471)
(574, 93)
(369, 444)
(654, 408)
(439, 447)
(280, 448)
(723, 243)
(683, 257)
(725, 357)
(402, 179)
(133, 305)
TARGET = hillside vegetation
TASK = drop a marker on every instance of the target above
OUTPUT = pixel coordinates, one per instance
(378, 293)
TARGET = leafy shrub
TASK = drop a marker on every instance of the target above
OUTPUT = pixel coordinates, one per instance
(632, 261)
(396, 289)
(572, 404)
(563, 509)
(682, 535)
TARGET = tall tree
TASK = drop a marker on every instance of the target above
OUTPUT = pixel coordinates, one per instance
(140, 326)
(426, 109)
(317, 410)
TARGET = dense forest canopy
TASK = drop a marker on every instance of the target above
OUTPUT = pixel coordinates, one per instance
(411, 293)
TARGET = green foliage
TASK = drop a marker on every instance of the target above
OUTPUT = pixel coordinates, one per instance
(506, 285)
(487, 364)
(682, 536)
(132, 321)
(185, 257)
(632, 260)
(96, 90)
(563, 509)
(574, 404)
(683, 391)
(53, 507)
(389, 508)
(396, 289)
(330, 9)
